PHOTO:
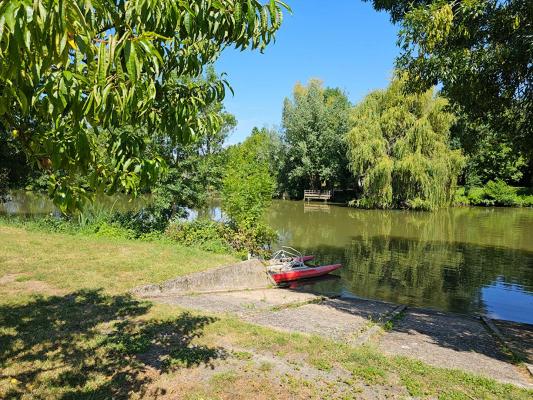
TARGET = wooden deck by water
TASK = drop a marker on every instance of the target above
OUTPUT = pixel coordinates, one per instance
(318, 195)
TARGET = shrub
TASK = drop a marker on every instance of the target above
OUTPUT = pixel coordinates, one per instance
(419, 204)
(475, 196)
(151, 219)
(220, 237)
(494, 193)
(52, 224)
(113, 231)
(461, 198)
(254, 238)
(527, 201)
(501, 193)
(205, 234)
(363, 202)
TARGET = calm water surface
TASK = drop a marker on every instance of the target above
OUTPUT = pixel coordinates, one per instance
(22, 203)
(466, 260)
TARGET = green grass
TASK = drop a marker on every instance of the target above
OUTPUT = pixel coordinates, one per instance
(74, 262)
(366, 364)
(69, 330)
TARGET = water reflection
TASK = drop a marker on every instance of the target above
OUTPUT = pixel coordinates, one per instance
(507, 301)
(22, 203)
(464, 260)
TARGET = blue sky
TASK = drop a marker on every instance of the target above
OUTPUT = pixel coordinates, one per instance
(343, 42)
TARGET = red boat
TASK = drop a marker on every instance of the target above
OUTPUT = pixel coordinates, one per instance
(302, 271)
(289, 265)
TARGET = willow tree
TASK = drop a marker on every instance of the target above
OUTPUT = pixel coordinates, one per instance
(399, 149)
(73, 71)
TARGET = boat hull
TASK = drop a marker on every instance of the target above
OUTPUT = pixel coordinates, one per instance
(303, 273)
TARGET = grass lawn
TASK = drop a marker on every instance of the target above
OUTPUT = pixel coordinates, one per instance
(69, 330)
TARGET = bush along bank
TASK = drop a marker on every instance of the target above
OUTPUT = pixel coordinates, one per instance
(213, 236)
(494, 194)
(222, 237)
(247, 189)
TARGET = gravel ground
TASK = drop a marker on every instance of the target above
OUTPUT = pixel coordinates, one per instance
(439, 339)
(450, 341)
(333, 318)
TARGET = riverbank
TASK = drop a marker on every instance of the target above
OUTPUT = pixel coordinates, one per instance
(68, 329)
(464, 259)
(471, 343)
(494, 193)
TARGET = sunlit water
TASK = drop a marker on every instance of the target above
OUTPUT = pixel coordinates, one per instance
(466, 260)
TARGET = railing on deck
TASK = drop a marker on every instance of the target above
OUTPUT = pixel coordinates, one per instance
(317, 195)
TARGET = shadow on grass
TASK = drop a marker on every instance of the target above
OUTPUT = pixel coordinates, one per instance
(89, 345)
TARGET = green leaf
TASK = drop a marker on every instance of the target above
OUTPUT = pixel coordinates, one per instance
(7, 10)
(102, 68)
(131, 60)
(187, 22)
(22, 100)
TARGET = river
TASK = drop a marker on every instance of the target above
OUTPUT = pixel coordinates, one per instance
(464, 260)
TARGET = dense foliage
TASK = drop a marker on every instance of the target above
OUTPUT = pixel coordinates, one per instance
(72, 72)
(247, 190)
(203, 233)
(494, 193)
(194, 170)
(481, 51)
(489, 155)
(399, 149)
(315, 121)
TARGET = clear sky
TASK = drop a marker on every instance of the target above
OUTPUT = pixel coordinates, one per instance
(345, 43)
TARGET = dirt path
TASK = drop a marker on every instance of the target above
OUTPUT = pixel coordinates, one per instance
(439, 339)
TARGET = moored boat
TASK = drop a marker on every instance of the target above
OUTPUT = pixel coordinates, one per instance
(289, 265)
(301, 271)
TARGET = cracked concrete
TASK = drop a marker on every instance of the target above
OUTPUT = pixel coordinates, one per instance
(436, 338)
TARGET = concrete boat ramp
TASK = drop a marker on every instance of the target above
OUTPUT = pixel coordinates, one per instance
(471, 343)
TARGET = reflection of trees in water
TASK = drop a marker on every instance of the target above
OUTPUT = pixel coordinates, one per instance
(21, 202)
(440, 259)
(511, 228)
(445, 275)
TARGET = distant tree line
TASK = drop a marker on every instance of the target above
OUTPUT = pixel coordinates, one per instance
(396, 148)
(110, 109)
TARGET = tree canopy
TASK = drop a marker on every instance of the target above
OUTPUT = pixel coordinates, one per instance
(315, 121)
(248, 187)
(489, 155)
(399, 149)
(481, 51)
(72, 72)
(248, 184)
